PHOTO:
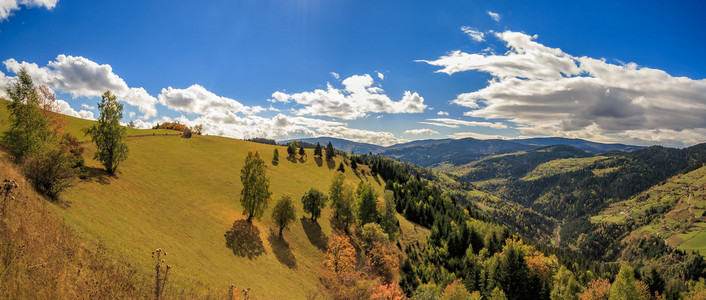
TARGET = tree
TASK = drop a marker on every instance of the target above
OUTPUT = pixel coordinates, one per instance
(301, 151)
(339, 265)
(341, 168)
(284, 212)
(255, 194)
(317, 150)
(497, 294)
(367, 203)
(51, 170)
(29, 130)
(275, 157)
(457, 291)
(597, 289)
(624, 285)
(291, 151)
(313, 201)
(108, 135)
(330, 153)
(388, 220)
(565, 285)
(354, 165)
(198, 129)
(336, 192)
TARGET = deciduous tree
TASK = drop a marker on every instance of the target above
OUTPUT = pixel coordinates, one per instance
(255, 194)
(108, 135)
(313, 202)
(367, 203)
(284, 212)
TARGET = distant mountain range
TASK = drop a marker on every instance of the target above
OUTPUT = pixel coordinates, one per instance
(426, 153)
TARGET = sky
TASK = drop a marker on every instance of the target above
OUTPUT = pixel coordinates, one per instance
(381, 72)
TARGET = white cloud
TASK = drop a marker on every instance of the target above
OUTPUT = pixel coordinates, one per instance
(63, 107)
(86, 106)
(381, 76)
(424, 131)
(5, 82)
(357, 99)
(8, 6)
(474, 34)
(442, 113)
(480, 136)
(494, 16)
(335, 75)
(197, 100)
(545, 91)
(80, 76)
(131, 114)
(359, 135)
(495, 125)
(439, 124)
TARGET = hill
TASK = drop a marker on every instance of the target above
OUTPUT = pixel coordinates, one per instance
(455, 152)
(588, 146)
(341, 144)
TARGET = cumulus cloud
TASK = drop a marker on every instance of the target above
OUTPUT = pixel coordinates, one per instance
(8, 6)
(79, 76)
(495, 125)
(494, 16)
(335, 75)
(86, 106)
(359, 135)
(474, 34)
(63, 107)
(545, 91)
(442, 113)
(197, 100)
(381, 76)
(423, 131)
(357, 99)
(480, 136)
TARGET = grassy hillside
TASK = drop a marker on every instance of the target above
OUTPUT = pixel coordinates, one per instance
(673, 211)
(76, 125)
(182, 195)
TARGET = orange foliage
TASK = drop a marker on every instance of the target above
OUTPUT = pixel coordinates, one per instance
(384, 260)
(171, 126)
(390, 291)
(47, 102)
(456, 290)
(598, 289)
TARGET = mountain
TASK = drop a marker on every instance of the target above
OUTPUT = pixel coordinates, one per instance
(456, 152)
(588, 146)
(342, 144)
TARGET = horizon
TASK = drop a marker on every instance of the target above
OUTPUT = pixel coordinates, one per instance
(376, 73)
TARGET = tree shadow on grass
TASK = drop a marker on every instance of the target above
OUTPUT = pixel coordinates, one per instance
(96, 174)
(281, 249)
(313, 232)
(244, 239)
(319, 161)
(330, 163)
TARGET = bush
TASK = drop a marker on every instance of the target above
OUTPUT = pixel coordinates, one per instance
(186, 134)
(50, 171)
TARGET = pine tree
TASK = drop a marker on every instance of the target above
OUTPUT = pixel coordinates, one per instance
(317, 150)
(341, 168)
(330, 153)
(301, 151)
(275, 157)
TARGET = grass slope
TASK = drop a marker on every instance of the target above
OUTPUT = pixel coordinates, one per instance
(182, 195)
(673, 211)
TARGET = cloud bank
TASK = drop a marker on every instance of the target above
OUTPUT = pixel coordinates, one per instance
(545, 91)
(7, 7)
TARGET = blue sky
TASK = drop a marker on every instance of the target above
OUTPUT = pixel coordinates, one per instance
(609, 71)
